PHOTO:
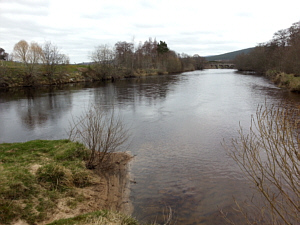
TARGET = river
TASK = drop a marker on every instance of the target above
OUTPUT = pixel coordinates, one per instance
(178, 123)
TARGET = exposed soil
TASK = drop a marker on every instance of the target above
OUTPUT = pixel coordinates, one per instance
(109, 190)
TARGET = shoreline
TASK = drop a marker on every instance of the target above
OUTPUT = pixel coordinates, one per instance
(110, 191)
(79, 75)
(290, 82)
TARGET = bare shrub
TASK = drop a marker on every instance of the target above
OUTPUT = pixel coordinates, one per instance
(102, 132)
(269, 156)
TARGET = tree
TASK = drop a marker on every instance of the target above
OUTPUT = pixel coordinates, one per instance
(103, 58)
(34, 54)
(3, 54)
(292, 57)
(199, 62)
(146, 55)
(30, 56)
(187, 62)
(162, 47)
(52, 59)
(294, 34)
(21, 50)
(269, 156)
(257, 60)
(172, 62)
(124, 53)
(281, 54)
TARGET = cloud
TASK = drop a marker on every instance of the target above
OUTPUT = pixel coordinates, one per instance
(24, 8)
(203, 27)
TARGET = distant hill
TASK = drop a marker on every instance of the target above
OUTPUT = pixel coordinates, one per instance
(228, 56)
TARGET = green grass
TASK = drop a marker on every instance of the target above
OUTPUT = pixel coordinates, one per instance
(27, 194)
(13, 74)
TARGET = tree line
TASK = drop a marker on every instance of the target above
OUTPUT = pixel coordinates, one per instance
(280, 54)
(34, 60)
(124, 59)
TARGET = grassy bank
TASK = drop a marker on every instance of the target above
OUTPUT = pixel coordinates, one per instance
(40, 178)
(14, 74)
(284, 80)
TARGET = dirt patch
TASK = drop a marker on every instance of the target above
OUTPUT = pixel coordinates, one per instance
(115, 183)
(20, 222)
(34, 168)
(110, 190)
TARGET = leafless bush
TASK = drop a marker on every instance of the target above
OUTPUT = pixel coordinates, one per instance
(102, 132)
(269, 156)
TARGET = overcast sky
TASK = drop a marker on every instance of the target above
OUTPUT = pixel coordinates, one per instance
(207, 27)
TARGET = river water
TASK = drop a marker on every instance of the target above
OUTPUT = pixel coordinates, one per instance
(178, 123)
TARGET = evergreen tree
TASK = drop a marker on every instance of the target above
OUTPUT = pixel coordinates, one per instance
(162, 47)
(3, 54)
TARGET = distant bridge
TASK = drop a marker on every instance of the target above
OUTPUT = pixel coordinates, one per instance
(220, 65)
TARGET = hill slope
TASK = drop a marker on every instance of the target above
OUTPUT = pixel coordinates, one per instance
(229, 55)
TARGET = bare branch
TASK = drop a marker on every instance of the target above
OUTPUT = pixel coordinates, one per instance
(268, 156)
(102, 132)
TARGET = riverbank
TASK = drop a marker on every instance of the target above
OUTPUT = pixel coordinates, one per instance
(42, 181)
(284, 80)
(13, 74)
(290, 82)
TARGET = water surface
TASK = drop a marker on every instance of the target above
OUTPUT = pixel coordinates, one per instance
(177, 123)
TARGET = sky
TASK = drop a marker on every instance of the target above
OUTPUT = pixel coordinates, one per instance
(205, 28)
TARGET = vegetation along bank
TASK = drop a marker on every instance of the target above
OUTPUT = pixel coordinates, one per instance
(32, 64)
(278, 59)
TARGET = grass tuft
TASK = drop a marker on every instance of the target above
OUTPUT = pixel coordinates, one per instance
(55, 177)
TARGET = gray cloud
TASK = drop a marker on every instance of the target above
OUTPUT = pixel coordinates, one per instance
(208, 28)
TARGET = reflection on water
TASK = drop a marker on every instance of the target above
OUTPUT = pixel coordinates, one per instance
(178, 123)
